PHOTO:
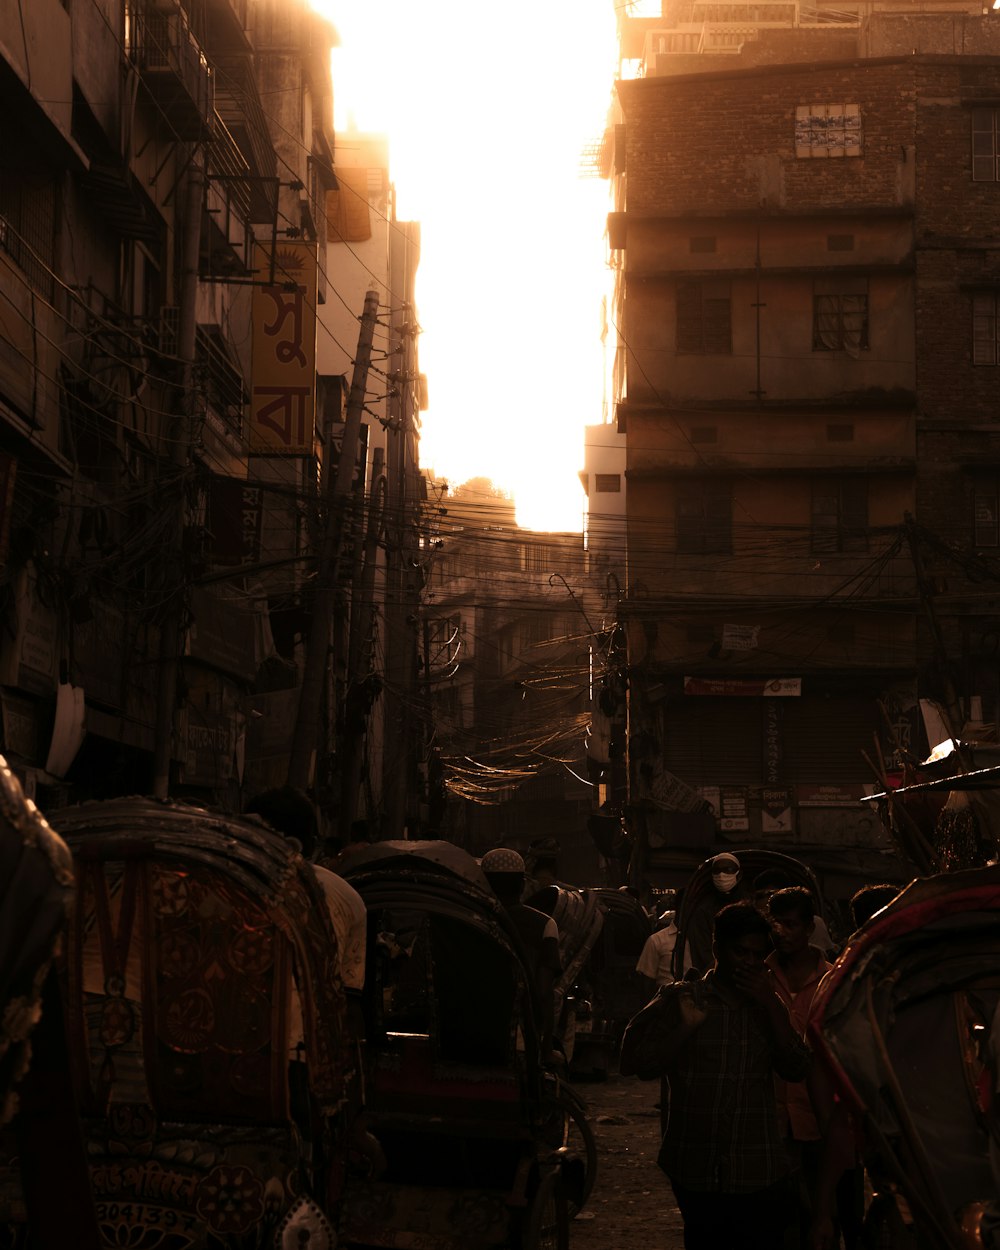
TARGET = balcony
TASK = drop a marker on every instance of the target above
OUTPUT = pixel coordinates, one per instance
(224, 26)
(227, 236)
(174, 70)
(237, 102)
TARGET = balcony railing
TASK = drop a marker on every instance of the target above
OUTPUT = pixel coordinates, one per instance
(226, 242)
(174, 69)
(219, 380)
(237, 102)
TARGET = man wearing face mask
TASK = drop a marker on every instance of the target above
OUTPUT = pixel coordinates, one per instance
(727, 887)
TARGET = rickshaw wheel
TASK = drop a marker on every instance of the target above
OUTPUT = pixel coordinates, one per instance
(547, 1223)
(884, 1228)
(578, 1138)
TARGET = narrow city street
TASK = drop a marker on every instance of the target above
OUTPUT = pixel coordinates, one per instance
(631, 1205)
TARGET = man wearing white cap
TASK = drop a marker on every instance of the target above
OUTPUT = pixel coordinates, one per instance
(505, 870)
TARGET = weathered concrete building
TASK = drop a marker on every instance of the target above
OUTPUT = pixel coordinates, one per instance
(165, 162)
(509, 645)
(807, 273)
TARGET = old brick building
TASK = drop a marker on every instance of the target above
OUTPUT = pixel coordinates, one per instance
(807, 253)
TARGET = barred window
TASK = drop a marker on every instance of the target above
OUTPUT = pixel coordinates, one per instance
(824, 130)
(704, 517)
(985, 147)
(704, 325)
(27, 222)
(840, 315)
(840, 514)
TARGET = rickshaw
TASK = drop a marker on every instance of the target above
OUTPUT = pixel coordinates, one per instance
(579, 916)
(36, 883)
(605, 990)
(39, 1130)
(200, 953)
(752, 861)
(908, 1024)
(470, 1124)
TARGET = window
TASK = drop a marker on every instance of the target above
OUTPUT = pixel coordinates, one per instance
(703, 318)
(985, 149)
(840, 315)
(537, 558)
(840, 514)
(986, 512)
(823, 130)
(985, 329)
(607, 483)
(217, 378)
(28, 216)
(703, 518)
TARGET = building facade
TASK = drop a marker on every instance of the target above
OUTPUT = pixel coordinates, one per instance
(512, 624)
(804, 296)
(165, 444)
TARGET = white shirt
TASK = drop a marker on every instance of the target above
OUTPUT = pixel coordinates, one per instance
(657, 954)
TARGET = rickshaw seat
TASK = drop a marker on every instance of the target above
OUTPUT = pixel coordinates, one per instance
(409, 1077)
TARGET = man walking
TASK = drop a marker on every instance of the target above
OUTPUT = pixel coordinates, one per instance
(504, 869)
(797, 967)
(720, 1041)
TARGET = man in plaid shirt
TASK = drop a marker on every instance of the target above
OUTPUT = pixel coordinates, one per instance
(720, 1041)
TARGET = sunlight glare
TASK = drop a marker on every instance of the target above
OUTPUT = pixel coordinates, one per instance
(488, 113)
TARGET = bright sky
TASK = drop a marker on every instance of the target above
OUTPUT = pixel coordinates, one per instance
(488, 109)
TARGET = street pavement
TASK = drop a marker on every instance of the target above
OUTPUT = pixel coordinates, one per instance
(631, 1205)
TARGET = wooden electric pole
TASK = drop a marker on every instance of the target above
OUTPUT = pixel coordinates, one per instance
(304, 742)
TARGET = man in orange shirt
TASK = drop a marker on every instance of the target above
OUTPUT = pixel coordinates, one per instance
(797, 967)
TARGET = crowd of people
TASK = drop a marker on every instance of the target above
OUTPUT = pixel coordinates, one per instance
(754, 1141)
(755, 1144)
(759, 1150)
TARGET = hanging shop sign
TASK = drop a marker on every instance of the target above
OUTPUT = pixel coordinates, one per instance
(773, 752)
(734, 815)
(283, 393)
(776, 811)
(739, 687)
(99, 644)
(223, 635)
(833, 796)
(234, 521)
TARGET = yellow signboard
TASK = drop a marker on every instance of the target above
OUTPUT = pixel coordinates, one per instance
(283, 394)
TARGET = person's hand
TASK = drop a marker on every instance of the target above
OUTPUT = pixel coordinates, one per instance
(554, 1060)
(755, 982)
(692, 1013)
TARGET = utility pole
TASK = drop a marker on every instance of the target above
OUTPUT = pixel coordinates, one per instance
(304, 742)
(172, 625)
(357, 702)
(402, 548)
